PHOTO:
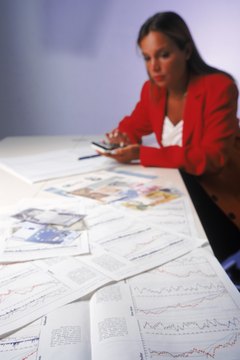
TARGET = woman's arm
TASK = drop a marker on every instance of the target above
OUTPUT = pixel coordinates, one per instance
(209, 147)
(138, 124)
(210, 150)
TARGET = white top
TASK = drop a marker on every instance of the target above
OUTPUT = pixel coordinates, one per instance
(172, 134)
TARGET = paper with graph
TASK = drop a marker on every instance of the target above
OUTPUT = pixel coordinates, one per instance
(32, 289)
(60, 334)
(123, 247)
(186, 309)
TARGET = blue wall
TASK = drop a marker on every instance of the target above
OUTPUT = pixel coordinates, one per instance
(72, 66)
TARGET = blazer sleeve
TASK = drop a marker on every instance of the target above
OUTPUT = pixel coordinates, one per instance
(209, 149)
(138, 124)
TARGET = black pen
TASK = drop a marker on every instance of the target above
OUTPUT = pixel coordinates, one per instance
(88, 157)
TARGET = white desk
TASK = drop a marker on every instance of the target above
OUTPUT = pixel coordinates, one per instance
(193, 298)
(13, 189)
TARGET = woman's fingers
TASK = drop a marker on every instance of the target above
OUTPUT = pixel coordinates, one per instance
(125, 154)
(117, 137)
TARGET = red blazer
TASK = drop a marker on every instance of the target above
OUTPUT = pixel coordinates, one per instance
(210, 132)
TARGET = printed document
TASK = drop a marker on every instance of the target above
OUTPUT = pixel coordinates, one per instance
(54, 164)
(61, 334)
(32, 289)
(185, 309)
(123, 247)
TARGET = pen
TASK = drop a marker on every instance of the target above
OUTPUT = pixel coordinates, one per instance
(88, 157)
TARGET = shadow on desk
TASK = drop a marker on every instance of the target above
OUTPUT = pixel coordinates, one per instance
(223, 235)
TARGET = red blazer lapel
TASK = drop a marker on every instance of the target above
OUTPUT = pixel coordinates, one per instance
(193, 109)
(159, 113)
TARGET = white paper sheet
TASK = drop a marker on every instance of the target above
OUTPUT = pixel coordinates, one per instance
(22, 344)
(124, 247)
(30, 290)
(54, 164)
(186, 309)
(63, 333)
(175, 215)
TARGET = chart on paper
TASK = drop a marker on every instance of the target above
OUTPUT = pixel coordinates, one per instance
(126, 247)
(30, 290)
(166, 317)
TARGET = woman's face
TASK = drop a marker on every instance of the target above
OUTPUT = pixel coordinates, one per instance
(165, 62)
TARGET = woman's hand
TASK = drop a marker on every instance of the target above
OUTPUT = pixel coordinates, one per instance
(125, 154)
(117, 137)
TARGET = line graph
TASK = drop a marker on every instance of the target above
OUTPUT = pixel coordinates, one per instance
(166, 327)
(142, 242)
(135, 255)
(208, 352)
(102, 218)
(23, 344)
(18, 344)
(178, 289)
(189, 303)
(30, 303)
(186, 310)
(25, 290)
(190, 260)
(11, 272)
(129, 234)
(49, 286)
(183, 272)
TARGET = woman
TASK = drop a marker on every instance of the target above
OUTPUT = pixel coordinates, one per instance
(191, 107)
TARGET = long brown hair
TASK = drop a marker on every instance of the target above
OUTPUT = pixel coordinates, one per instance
(173, 26)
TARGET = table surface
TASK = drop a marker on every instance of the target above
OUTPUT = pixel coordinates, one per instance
(13, 189)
